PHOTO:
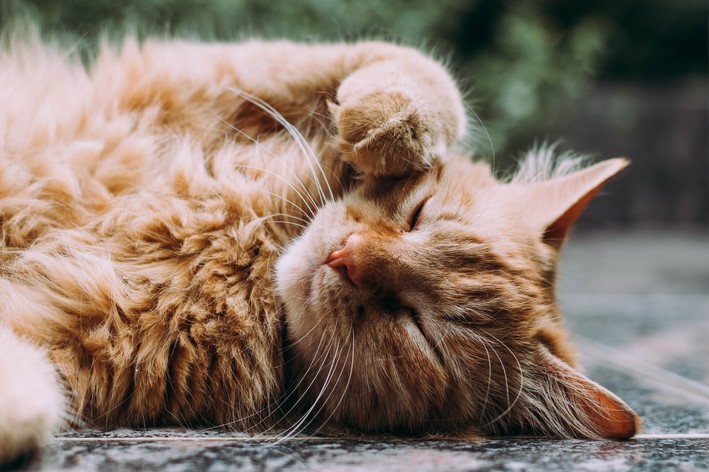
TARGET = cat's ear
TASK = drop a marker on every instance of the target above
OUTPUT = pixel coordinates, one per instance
(554, 205)
(567, 403)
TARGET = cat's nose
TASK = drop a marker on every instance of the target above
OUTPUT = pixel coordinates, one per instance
(347, 260)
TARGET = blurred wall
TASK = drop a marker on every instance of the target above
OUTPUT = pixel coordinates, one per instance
(664, 131)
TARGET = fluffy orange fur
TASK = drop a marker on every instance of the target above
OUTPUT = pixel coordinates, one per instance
(268, 232)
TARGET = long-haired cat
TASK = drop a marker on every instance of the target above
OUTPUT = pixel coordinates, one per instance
(276, 235)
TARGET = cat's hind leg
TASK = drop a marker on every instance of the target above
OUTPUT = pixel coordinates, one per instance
(31, 398)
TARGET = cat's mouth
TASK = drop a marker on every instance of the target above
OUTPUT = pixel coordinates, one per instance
(397, 307)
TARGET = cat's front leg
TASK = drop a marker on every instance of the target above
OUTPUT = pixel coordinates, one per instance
(398, 115)
(31, 400)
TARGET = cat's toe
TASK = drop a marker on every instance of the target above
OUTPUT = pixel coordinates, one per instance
(384, 134)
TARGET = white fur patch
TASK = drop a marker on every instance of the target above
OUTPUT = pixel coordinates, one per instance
(544, 163)
(31, 402)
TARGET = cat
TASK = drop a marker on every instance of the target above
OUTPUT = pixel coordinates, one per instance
(274, 236)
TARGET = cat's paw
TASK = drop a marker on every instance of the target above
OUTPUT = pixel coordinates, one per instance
(31, 402)
(384, 134)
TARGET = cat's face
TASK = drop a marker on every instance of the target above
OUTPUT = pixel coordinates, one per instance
(426, 304)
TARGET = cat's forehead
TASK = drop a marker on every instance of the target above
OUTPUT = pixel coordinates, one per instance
(478, 213)
(463, 201)
(472, 192)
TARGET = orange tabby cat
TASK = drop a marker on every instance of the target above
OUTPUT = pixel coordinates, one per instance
(234, 234)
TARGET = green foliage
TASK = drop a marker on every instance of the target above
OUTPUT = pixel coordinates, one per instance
(525, 61)
(532, 69)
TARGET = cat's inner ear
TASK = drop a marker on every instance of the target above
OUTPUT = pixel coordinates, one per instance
(554, 205)
(577, 406)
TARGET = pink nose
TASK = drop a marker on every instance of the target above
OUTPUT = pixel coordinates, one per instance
(347, 260)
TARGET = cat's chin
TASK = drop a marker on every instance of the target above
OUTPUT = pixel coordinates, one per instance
(301, 279)
(299, 271)
(303, 263)
(294, 271)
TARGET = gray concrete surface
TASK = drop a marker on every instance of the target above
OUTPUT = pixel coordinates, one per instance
(638, 306)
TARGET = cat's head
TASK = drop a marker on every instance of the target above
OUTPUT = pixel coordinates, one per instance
(427, 304)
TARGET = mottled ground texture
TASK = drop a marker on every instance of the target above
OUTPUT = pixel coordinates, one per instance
(638, 306)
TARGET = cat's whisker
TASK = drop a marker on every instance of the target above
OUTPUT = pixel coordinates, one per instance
(293, 390)
(178, 420)
(332, 390)
(293, 428)
(297, 137)
(504, 374)
(306, 419)
(291, 223)
(336, 179)
(325, 124)
(487, 134)
(349, 379)
(521, 382)
(300, 222)
(306, 334)
(241, 419)
(484, 344)
(436, 347)
(303, 221)
(272, 154)
(307, 216)
(312, 205)
(325, 359)
(334, 363)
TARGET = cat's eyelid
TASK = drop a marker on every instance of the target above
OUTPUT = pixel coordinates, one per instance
(416, 215)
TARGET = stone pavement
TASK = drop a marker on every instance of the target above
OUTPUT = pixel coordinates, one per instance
(638, 306)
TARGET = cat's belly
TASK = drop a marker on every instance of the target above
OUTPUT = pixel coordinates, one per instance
(169, 320)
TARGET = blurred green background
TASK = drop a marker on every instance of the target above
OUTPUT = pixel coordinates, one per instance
(611, 77)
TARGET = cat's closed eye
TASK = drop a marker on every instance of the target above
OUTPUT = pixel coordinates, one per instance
(417, 214)
(395, 307)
